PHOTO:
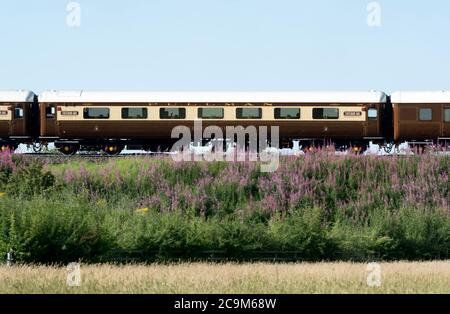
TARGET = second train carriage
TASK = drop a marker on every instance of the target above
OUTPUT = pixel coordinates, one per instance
(422, 117)
(110, 120)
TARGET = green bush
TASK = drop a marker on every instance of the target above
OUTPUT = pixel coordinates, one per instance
(303, 231)
(30, 181)
(351, 209)
(49, 232)
(424, 234)
(407, 233)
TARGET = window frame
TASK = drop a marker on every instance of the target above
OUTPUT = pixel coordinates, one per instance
(323, 111)
(420, 113)
(144, 111)
(53, 115)
(279, 109)
(181, 117)
(96, 118)
(18, 107)
(200, 109)
(445, 118)
(373, 117)
(260, 111)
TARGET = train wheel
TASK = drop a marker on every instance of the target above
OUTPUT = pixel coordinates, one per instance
(113, 149)
(69, 149)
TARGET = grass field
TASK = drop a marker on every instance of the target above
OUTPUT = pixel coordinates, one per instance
(399, 277)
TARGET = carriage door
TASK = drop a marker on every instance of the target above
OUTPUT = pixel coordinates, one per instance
(49, 120)
(18, 120)
(372, 121)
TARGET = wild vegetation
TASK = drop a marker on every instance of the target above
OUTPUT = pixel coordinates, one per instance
(313, 208)
(258, 278)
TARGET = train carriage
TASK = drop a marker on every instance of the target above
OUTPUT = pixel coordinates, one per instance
(111, 120)
(422, 117)
(18, 116)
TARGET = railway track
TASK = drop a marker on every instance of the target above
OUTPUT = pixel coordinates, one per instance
(102, 156)
(53, 155)
(91, 155)
(95, 157)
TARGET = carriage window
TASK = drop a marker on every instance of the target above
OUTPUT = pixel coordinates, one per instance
(18, 113)
(172, 113)
(134, 113)
(210, 113)
(325, 113)
(447, 115)
(50, 112)
(96, 113)
(249, 113)
(287, 113)
(372, 114)
(425, 114)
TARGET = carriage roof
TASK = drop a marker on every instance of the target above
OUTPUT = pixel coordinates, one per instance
(211, 97)
(420, 97)
(16, 96)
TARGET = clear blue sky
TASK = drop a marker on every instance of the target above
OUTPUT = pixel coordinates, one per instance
(225, 45)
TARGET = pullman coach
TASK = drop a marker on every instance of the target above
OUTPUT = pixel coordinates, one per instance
(422, 118)
(112, 120)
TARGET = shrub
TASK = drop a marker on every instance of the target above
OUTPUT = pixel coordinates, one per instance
(303, 231)
(30, 181)
(320, 207)
(46, 232)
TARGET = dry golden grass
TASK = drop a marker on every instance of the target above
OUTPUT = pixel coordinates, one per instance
(399, 277)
